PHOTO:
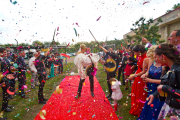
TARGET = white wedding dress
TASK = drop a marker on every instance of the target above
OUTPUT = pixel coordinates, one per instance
(82, 60)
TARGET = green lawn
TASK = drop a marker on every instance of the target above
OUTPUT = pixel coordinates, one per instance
(29, 108)
(124, 104)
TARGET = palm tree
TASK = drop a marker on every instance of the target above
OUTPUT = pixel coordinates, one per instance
(176, 6)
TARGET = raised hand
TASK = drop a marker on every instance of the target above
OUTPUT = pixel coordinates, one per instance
(10, 76)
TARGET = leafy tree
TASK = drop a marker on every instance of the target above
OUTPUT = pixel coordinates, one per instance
(24, 44)
(174, 7)
(129, 38)
(54, 43)
(138, 39)
(145, 30)
(37, 43)
(47, 43)
(168, 11)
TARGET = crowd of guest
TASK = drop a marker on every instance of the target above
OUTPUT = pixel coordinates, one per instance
(152, 74)
(13, 68)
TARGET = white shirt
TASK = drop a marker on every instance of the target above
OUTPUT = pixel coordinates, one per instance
(31, 64)
(82, 60)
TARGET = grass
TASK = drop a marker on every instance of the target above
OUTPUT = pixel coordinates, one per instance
(124, 104)
(29, 108)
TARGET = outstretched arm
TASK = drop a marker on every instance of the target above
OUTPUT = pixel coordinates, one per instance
(103, 49)
(48, 51)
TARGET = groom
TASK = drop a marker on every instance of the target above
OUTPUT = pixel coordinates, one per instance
(89, 61)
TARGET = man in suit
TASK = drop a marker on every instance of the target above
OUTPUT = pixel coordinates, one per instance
(42, 75)
(12, 82)
(22, 73)
(113, 73)
(5, 68)
(122, 65)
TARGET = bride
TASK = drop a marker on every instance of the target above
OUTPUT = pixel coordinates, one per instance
(90, 61)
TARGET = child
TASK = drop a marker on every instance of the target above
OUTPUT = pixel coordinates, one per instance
(128, 70)
(116, 94)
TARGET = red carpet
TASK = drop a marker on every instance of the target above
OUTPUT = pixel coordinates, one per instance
(65, 107)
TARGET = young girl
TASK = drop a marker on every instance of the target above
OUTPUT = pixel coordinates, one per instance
(116, 94)
(168, 55)
(128, 70)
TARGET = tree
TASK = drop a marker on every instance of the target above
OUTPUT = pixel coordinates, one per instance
(129, 38)
(145, 30)
(47, 43)
(24, 44)
(138, 39)
(140, 27)
(174, 7)
(168, 11)
(54, 43)
(37, 43)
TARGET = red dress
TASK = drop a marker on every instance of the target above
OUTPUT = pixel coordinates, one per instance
(138, 94)
(128, 70)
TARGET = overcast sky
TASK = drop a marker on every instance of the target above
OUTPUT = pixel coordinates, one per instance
(30, 20)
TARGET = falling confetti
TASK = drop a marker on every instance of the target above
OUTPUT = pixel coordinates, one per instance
(145, 2)
(75, 31)
(77, 24)
(58, 90)
(1, 114)
(9, 92)
(142, 101)
(74, 113)
(152, 105)
(43, 114)
(57, 34)
(15, 2)
(17, 115)
(98, 18)
(68, 44)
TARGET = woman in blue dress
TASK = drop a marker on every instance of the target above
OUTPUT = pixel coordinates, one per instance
(152, 79)
(52, 67)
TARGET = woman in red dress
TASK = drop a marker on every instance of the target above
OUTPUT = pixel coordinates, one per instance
(138, 94)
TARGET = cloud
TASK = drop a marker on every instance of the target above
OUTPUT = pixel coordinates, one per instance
(36, 20)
